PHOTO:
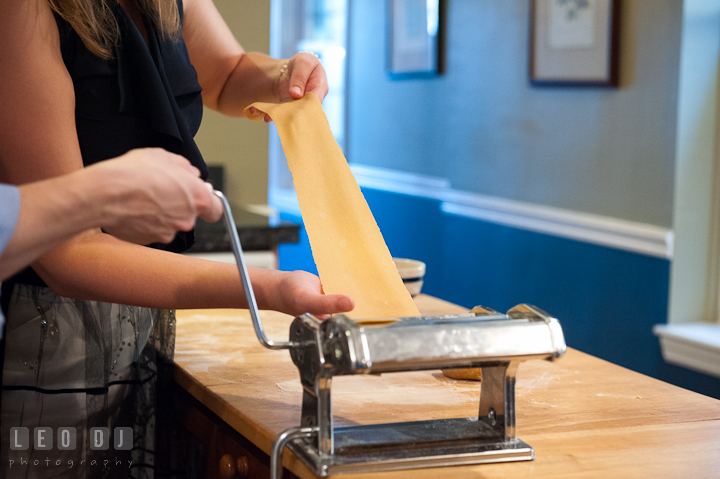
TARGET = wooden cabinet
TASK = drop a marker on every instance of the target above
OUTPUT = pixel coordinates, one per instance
(204, 446)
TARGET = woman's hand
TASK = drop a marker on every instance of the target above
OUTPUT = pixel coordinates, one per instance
(233, 79)
(297, 292)
(303, 73)
(298, 75)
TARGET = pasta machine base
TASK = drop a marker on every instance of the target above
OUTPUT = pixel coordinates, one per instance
(410, 445)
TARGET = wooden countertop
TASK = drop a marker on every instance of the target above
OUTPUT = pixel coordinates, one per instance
(585, 417)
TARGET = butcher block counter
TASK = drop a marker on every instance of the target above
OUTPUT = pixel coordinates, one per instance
(585, 417)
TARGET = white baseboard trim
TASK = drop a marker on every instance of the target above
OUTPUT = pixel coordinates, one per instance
(605, 231)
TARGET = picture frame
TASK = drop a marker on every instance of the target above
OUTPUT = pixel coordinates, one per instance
(574, 42)
(413, 31)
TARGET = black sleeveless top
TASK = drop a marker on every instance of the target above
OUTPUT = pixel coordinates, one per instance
(147, 95)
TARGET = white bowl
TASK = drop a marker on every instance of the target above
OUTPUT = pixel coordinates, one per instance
(412, 273)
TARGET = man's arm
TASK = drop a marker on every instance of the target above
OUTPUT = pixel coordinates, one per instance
(145, 196)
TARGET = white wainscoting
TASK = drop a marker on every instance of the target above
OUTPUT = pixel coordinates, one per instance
(616, 233)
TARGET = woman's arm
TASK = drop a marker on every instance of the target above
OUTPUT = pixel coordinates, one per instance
(120, 272)
(38, 140)
(232, 79)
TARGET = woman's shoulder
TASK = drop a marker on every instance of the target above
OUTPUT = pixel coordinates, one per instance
(37, 93)
(29, 35)
(27, 27)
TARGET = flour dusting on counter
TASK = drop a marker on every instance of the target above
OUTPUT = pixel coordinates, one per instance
(417, 388)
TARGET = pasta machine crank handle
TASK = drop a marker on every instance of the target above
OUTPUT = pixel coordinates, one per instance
(245, 278)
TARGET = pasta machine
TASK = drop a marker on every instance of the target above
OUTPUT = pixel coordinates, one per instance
(483, 338)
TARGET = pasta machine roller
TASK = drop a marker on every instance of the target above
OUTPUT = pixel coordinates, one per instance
(483, 338)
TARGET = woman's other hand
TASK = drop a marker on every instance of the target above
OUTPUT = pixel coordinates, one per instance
(233, 79)
(303, 73)
(300, 74)
(297, 292)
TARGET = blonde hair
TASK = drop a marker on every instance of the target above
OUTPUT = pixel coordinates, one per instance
(95, 23)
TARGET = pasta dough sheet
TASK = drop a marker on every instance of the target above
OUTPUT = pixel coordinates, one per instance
(349, 250)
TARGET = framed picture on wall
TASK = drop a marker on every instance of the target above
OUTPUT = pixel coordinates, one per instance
(412, 37)
(574, 42)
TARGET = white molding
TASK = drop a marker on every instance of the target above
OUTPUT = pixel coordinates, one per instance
(606, 231)
(396, 181)
(615, 233)
(694, 346)
(285, 201)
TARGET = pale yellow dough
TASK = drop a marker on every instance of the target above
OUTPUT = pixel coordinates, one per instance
(473, 374)
(348, 248)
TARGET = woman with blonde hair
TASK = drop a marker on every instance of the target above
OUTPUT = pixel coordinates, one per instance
(85, 80)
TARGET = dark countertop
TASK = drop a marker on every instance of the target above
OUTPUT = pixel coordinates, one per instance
(257, 232)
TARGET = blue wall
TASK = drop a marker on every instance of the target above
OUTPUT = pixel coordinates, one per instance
(607, 300)
(488, 131)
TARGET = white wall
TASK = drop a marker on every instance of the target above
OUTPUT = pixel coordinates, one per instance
(238, 143)
(694, 276)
